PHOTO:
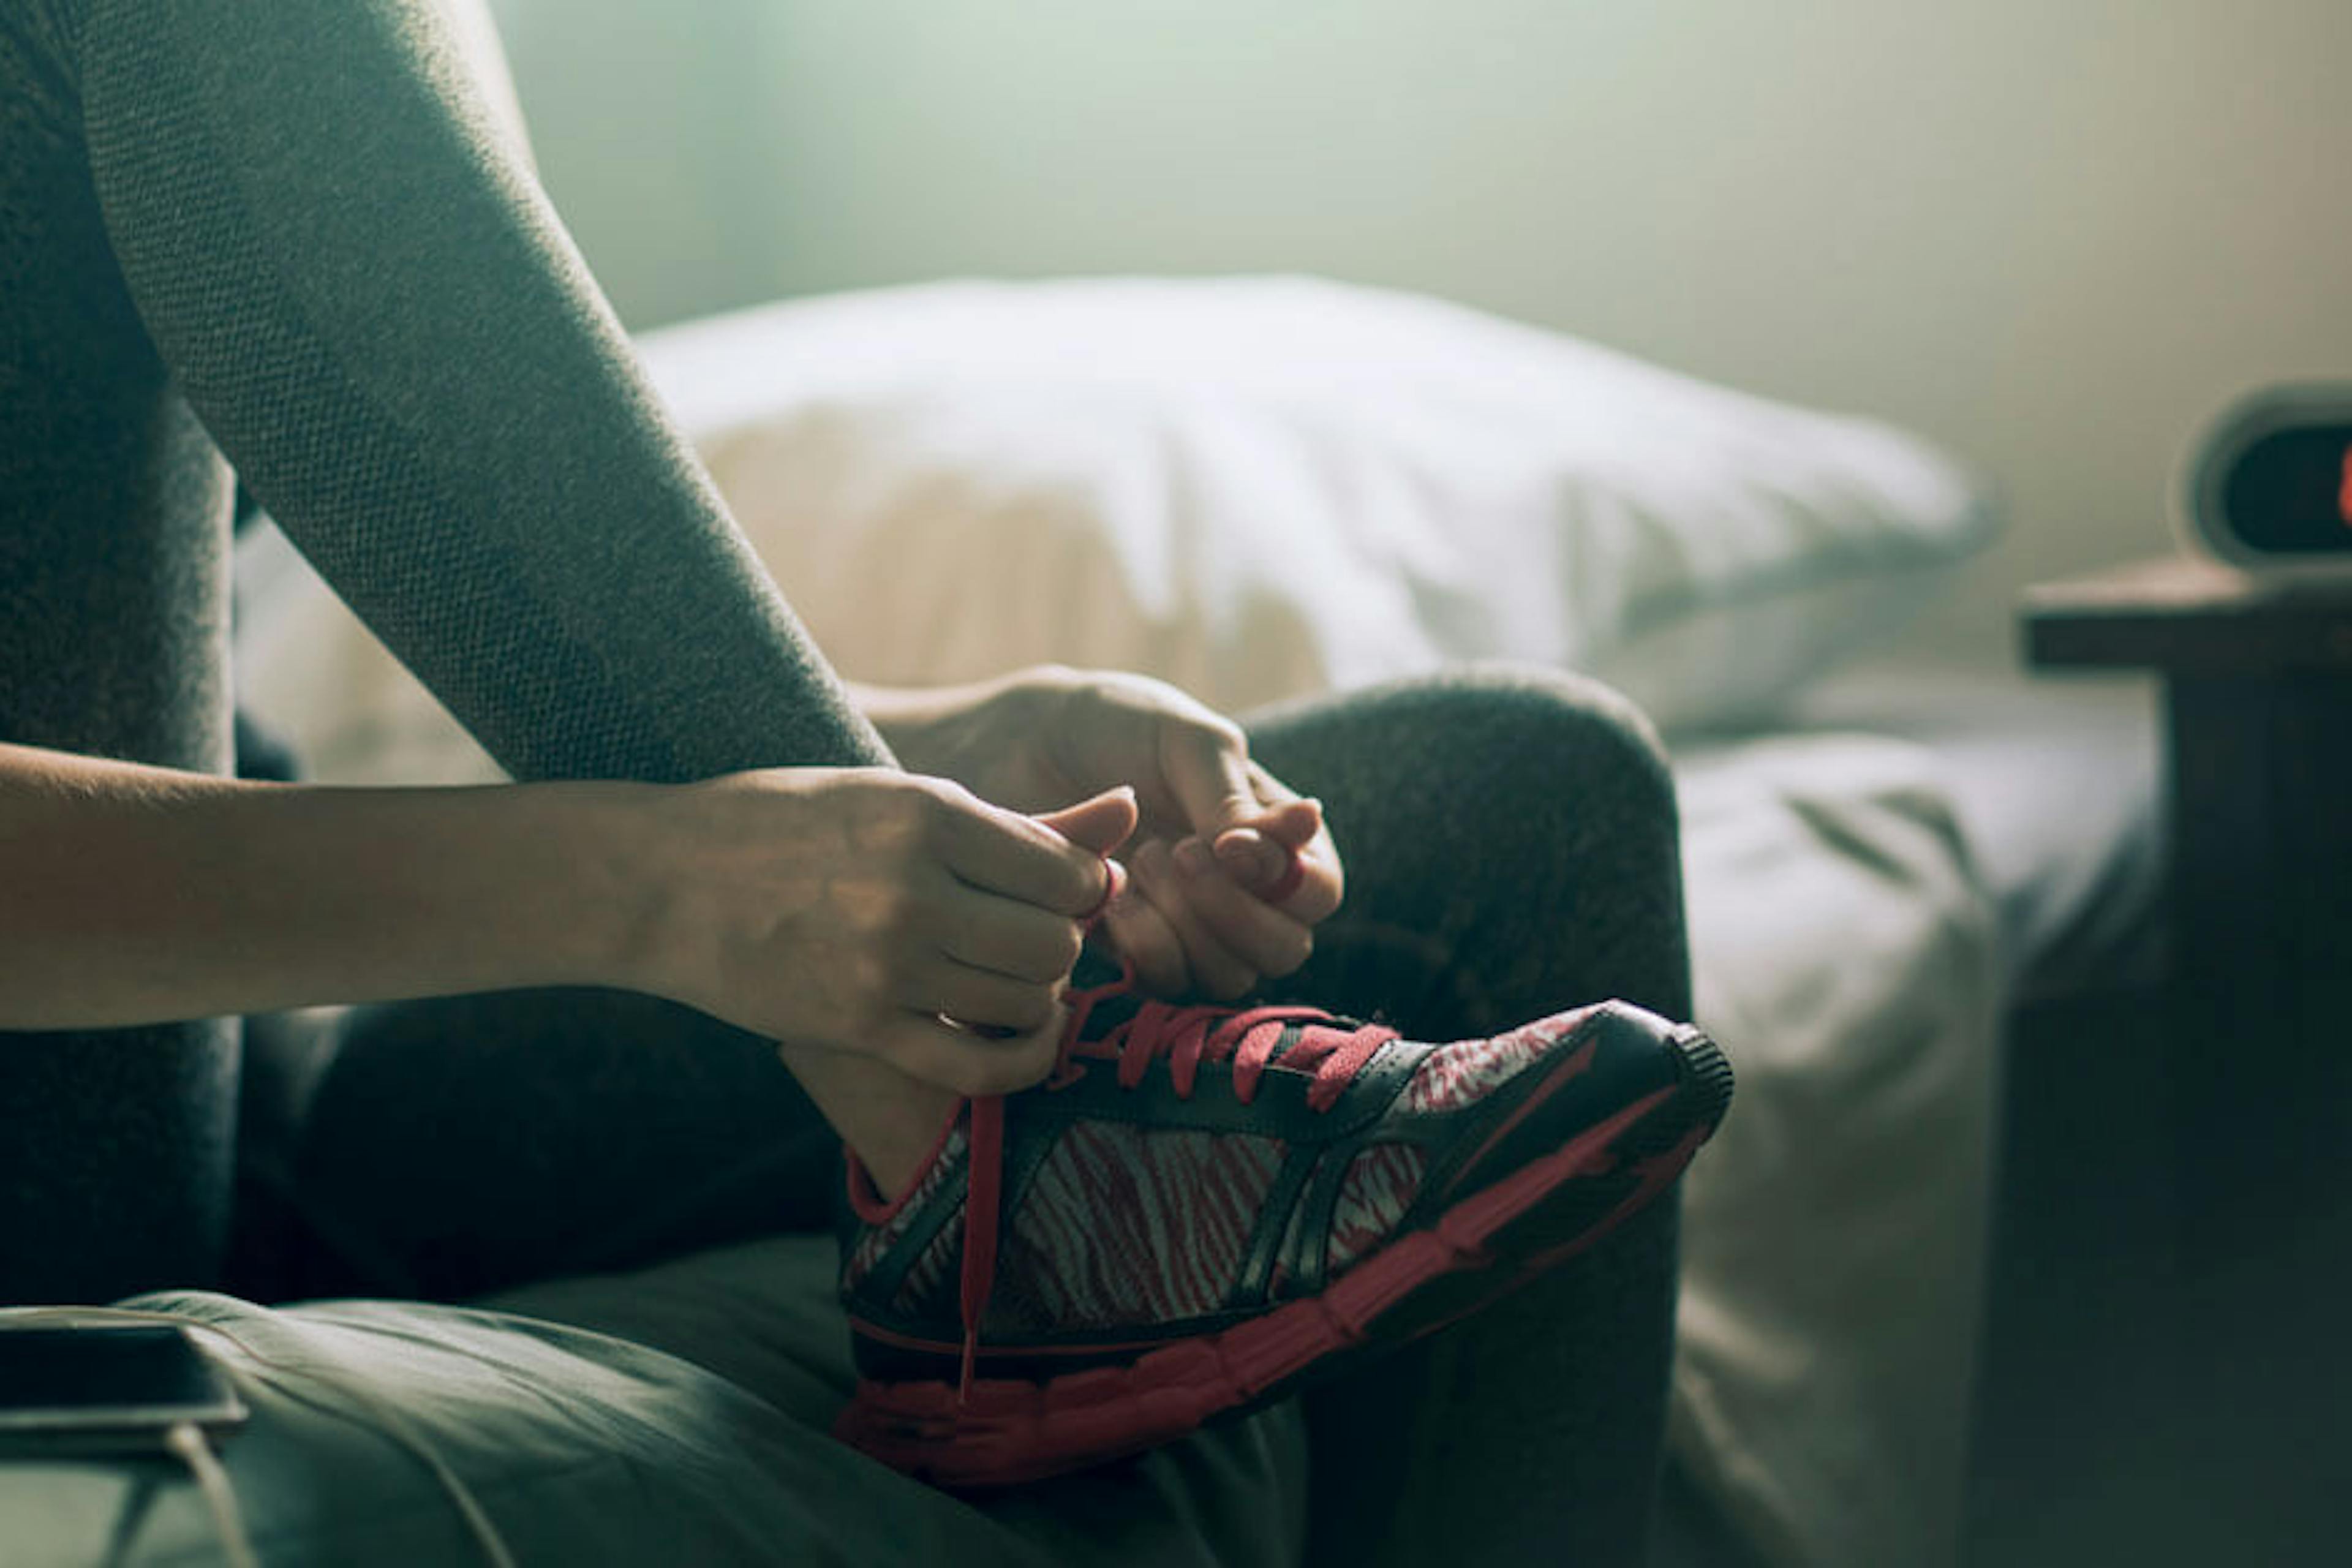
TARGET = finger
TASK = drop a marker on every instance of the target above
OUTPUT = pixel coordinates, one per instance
(1263, 863)
(978, 998)
(1260, 848)
(1145, 939)
(1288, 859)
(1215, 969)
(1319, 886)
(1100, 824)
(1248, 924)
(1004, 852)
(923, 1046)
(1007, 937)
(1208, 768)
(1293, 824)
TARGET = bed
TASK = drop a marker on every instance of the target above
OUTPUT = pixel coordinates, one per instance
(1876, 888)
(1881, 863)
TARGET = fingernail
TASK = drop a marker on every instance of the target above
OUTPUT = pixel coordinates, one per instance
(1193, 856)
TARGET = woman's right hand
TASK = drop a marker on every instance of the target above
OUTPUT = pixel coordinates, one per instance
(860, 910)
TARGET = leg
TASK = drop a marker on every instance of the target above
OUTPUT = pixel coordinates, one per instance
(447, 1148)
(317, 236)
(1512, 850)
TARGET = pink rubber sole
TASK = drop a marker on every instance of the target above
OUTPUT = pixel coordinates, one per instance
(1007, 1431)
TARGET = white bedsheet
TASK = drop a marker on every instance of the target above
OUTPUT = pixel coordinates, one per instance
(1846, 953)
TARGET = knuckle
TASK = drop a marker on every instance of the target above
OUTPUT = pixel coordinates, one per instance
(1215, 734)
(927, 804)
(1003, 1068)
(1032, 966)
(1033, 1060)
(948, 799)
(873, 982)
(1227, 982)
(966, 1072)
(891, 823)
(881, 912)
(930, 816)
(1032, 1009)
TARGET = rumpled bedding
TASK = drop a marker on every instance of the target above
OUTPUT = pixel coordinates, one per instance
(677, 1415)
(1846, 950)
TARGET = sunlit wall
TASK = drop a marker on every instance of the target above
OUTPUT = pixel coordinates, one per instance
(2052, 233)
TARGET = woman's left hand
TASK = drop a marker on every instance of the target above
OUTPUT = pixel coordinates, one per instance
(1205, 909)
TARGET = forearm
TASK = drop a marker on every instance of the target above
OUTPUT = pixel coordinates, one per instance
(131, 894)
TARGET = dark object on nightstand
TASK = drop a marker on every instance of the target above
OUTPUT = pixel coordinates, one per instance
(2256, 1057)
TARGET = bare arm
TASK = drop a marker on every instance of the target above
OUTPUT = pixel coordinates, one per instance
(133, 894)
(838, 911)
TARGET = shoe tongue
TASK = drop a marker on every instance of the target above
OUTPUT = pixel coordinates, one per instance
(1109, 1014)
(1290, 1035)
(1094, 970)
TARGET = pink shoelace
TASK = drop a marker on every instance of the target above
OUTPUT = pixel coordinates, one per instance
(1186, 1036)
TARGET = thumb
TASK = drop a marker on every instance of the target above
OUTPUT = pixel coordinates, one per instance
(1099, 824)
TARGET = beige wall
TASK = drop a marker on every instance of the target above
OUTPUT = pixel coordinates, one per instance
(2054, 234)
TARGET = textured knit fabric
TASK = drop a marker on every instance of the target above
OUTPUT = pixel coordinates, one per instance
(299, 239)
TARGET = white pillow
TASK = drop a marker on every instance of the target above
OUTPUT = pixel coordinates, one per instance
(1255, 488)
(1262, 487)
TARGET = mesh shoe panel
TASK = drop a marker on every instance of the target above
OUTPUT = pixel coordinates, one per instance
(875, 1241)
(1452, 1078)
(1379, 1185)
(1124, 1225)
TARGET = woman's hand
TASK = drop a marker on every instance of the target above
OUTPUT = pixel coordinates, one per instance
(1206, 908)
(883, 913)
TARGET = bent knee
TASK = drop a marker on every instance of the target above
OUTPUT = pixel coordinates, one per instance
(1534, 731)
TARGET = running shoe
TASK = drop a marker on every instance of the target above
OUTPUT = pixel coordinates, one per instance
(1205, 1210)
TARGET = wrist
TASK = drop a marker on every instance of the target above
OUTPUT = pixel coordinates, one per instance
(958, 731)
(909, 719)
(630, 860)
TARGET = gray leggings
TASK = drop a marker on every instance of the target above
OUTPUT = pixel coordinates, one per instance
(1511, 849)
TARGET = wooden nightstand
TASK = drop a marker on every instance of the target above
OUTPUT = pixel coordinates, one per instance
(2257, 1056)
